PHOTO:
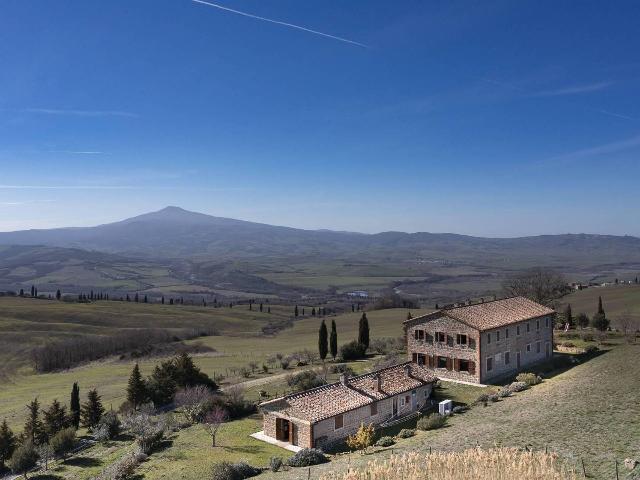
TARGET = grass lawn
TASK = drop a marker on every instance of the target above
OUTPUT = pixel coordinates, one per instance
(589, 412)
(617, 300)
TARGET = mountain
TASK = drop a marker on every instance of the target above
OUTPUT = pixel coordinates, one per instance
(174, 249)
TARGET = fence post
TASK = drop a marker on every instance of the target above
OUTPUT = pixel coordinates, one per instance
(584, 472)
(309, 473)
(616, 460)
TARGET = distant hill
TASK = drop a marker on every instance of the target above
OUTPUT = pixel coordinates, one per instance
(174, 246)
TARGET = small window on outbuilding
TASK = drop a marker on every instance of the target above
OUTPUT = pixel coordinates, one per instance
(441, 337)
(461, 339)
(489, 364)
(338, 422)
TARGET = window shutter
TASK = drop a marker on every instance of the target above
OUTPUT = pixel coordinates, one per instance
(456, 364)
(450, 340)
(429, 338)
(472, 342)
(449, 363)
(472, 367)
(431, 361)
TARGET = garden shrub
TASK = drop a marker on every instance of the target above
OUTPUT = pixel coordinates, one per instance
(432, 422)
(275, 464)
(590, 349)
(342, 368)
(482, 398)
(307, 457)
(63, 442)
(530, 379)
(352, 351)
(518, 386)
(406, 433)
(460, 409)
(385, 442)
(504, 392)
(587, 337)
(363, 438)
(305, 380)
(233, 471)
(122, 469)
(493, 397)
(110, 423)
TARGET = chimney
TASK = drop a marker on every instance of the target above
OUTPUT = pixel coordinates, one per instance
(376, 383)
(344, 379)
(407, 369)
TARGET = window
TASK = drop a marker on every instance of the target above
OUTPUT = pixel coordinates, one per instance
(546, 322)
(461, 339)
(338, 422)
(528, 347)
(441, 337)
(442, 362)
(415, 358)
(528, 327)
(537, 324)
(374, 408)
(489, 364)
(463, 365)
(402, 401)
(426, 393)
(498, 358)
(517, 330)
(422, 359)
(498, 336)
(537, 347)
(418, 334)
(507, 358)
(488, 338)
(506, 333)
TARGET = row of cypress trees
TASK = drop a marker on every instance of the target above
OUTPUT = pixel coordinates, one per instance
(328, 343)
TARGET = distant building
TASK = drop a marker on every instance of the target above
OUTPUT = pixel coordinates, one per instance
(359, 293)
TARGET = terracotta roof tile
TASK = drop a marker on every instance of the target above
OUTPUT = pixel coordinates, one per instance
(333, 399)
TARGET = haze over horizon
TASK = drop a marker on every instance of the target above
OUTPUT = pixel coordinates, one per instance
(497, 119)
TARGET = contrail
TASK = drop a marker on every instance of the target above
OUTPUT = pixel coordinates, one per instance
(277, 22)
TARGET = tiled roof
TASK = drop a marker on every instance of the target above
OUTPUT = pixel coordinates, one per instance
(493, 314)
(336, 398)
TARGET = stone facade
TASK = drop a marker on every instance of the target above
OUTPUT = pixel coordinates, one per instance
(515, 347)
(457, 351)
(424, 347)
(309, 435)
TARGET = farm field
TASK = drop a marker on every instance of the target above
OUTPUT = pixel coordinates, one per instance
(558, 414)
(617, 300)
(239, 344)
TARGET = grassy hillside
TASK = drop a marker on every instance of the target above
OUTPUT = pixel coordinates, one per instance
(617, 300)
(240, 342)
(589, 412)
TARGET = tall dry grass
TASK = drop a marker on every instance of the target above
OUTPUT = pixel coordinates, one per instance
(477, 464)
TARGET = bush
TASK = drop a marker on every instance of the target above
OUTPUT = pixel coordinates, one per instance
(482, 398)
(233, 471)
(307, 457)
(121, 469)
(530, 379)
(305, 380)
(432, 422)
(406, 433)
(518, 387)
(352, 351)
(342, 368)
(568, 344)
(363, 438)
(275, 464)
(63, 442)
(493, 397)
(110, 424)
(587, 337)
(590, 349)
(385, 442)
(504, 392)
(460, 409)
(24, 458)
(600, 322)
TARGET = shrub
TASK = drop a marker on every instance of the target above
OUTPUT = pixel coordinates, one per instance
(342, 368)
(432, 422)
(307, 457)
(148, 431)
(284, 364)
(504, 392)
(518, 386)
(363, 438)
(460, 409)
(530, 379)
(406, 433)
(590, 349)
(385, 442)
(568, 344)
(493, 397)
(110, 424)
(275, 464)
(122, 469)
(600, 322)
(352, 351)
(24, 458)
(63, 442)
(305, 380)
(587, 337)
(482, 398)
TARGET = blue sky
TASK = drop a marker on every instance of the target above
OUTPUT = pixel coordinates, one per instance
(476, 117)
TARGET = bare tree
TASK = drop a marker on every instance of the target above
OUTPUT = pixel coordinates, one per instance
(629, 325)
(194, 402)
(538, 284)
(213, 421)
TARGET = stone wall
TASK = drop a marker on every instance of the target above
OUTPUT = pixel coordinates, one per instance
(514, 343)
(431, 347)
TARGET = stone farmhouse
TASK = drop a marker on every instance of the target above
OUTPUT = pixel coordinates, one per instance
(481, 342)
(316, 417)
(473, 343)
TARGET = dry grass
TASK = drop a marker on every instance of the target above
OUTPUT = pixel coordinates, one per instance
(492, 464)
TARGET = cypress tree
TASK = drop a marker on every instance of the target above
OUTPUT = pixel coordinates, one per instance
(136, 298)
(568, 316)
(295, 311)
(74, 405)
(333, 340)
(145, 299)
(363, 331)
(58, 294)
(323, 346)
(55, 419)
(269, 309)
(261, 307)
(162, 301)
(33, 291)
(136, 388)
(313, 312)
(7, 443)
(33, 430)
(92, 410)
(600, 309)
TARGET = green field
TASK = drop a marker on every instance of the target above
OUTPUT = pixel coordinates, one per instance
(239, 344)
(617, 300)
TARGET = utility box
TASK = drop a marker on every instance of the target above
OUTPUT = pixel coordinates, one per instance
(445, 407)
